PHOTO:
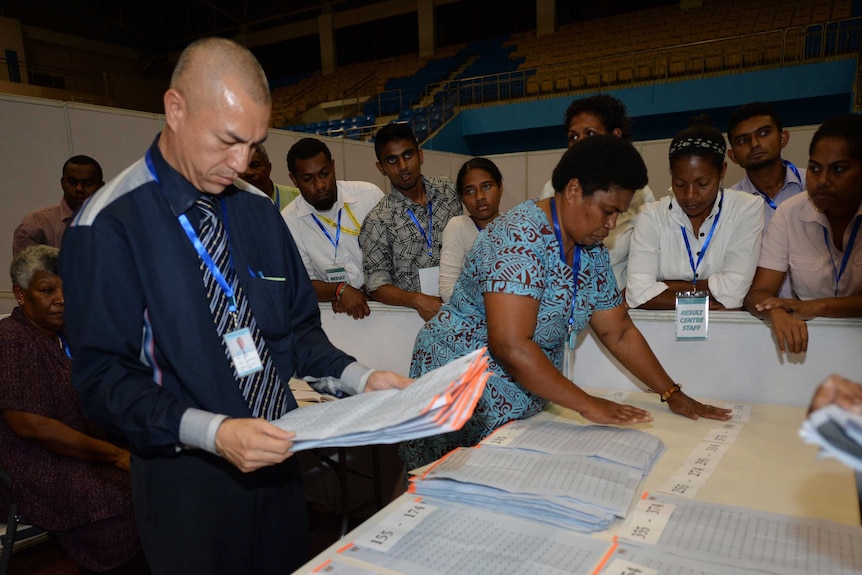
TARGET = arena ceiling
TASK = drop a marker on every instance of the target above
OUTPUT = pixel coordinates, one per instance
(277, 30)
(161, 26)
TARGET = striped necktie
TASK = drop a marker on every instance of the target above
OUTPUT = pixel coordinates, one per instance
(262, 390)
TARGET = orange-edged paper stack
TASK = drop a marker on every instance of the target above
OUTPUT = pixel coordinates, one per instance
(438, 402)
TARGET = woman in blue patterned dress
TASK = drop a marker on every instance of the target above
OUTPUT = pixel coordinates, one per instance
(516, 294)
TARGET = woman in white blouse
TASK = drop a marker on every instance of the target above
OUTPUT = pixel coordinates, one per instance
(700, 238)
(480, 185)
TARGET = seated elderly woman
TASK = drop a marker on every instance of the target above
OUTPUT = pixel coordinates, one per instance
(530, 284)
(480, 185)
(67, 478)
(700, 238)
(812, 238)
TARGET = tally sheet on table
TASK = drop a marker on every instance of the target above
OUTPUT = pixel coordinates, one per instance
(628, 447)
(440, 401)
(576, 493)
(434, 537)
(629, 560)
(745, 538)
(837, 432)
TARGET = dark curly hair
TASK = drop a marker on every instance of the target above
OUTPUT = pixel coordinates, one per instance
(82, 160)
(305, 149)
(606, 108)
(751, 110)
(393, 132)
(847, 127)
(601, 163)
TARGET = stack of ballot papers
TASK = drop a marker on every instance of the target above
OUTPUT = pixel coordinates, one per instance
(837, 432)
(576, 493)
(629, 447)
(438, 402)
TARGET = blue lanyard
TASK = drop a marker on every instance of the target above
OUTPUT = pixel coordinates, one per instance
(694, 266)
(426, 234)
(335, 241)
(576, 262)
(789, 164)
(769, 201)
(199, 247)
(277, 197)
(847, 249)
(65, 345)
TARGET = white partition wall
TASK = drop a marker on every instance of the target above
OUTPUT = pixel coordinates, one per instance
(32, 151)
(39, 135)
(94, 132)
(739, 361)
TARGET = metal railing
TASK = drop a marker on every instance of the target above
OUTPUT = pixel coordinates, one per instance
(788, 47)
(54, 77)
(748, 52)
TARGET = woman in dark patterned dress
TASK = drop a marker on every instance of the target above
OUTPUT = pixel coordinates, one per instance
(517, 296)
(67, 478)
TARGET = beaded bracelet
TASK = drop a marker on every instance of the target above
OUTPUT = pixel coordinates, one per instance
(669, 393)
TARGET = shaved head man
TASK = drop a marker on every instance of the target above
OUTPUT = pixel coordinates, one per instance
(188, 309)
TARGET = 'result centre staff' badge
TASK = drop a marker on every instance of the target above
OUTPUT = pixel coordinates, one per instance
(692, 315)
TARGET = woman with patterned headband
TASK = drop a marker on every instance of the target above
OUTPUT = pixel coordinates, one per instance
(701, 237)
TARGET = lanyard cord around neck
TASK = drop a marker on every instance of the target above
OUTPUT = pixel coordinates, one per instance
(198, 245)
(427, 234)
(356, 224)
(337, 227)
(576, 262)
(702, 252)
(847, 249)
(769, 201)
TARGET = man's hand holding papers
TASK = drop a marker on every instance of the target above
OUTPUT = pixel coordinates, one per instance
(438, 402)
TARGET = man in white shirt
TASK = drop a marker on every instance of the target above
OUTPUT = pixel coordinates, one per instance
(325, 222)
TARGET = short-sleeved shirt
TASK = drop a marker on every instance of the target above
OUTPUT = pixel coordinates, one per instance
(42, 227)
(318, 253)
(393, 247)
(794, 243)
(518, 254)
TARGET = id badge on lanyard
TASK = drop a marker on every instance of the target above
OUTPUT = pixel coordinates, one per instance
(336, 273)
(243, 352)
(692, 315)
(239, 341)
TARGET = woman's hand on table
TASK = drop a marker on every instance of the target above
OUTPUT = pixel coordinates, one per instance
(600, 410)
(681, 404)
